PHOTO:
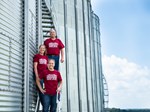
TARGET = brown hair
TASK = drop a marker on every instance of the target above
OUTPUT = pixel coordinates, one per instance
(51, 60)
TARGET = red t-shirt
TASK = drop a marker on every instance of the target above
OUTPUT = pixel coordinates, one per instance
(53, 46)
(42, 61)
(51, 79)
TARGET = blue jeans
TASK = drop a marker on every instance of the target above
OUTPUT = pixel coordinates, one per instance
(49, 101)
(56, 58)
(41, 95)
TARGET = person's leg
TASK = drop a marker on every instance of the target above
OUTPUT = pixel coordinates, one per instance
(53, 103)
(46, 103)
(56, 58)
(41, 95)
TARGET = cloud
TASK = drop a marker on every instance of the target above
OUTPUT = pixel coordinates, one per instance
(96, 4)
(128, 83)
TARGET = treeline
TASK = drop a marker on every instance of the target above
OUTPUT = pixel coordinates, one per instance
(126, 110)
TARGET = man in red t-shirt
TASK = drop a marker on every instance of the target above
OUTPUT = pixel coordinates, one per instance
(54, 47)
(53, 84)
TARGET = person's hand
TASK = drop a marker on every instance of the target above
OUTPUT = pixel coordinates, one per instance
(58, 89)
(62, 60)
(42, 91)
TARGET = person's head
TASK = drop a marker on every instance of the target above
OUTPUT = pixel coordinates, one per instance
(42, 49)
(52, 33)
(51, 64)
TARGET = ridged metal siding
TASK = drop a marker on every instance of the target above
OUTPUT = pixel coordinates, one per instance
(97, 65)
(32, 50)
(11, 56)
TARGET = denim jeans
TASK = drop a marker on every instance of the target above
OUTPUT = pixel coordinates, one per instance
(49, 101)
(41, 95)
(56, 58)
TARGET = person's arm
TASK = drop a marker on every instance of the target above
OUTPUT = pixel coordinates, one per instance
(62, 55)
(39, 85)
(35, 70)
(59, 87)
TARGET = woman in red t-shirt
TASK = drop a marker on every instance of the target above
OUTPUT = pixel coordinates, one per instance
(53, 85)
(54, 47)
(40, 64)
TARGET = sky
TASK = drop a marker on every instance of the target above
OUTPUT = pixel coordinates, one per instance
(125, 41)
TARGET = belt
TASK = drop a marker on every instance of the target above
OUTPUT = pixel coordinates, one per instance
(52, 55)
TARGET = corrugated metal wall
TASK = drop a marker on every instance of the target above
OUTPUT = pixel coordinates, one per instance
(97, 65)
(18, 45)
(30, 46)
(32, 52)
(11, 56)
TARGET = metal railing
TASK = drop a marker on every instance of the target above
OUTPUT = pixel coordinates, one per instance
(106, 93)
